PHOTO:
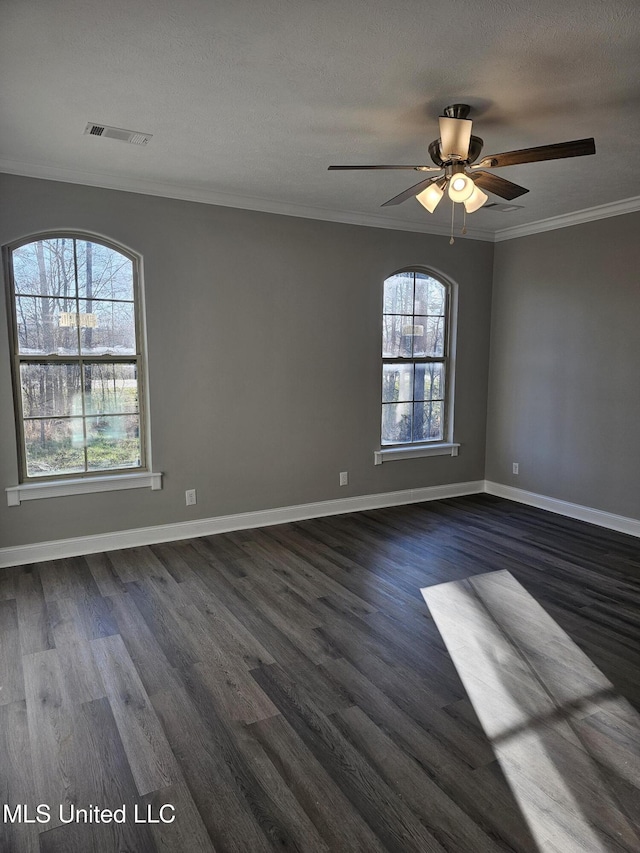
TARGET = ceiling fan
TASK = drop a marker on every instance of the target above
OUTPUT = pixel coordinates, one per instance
(455, 154)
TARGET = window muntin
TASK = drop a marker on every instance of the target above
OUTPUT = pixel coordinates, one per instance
(77, 357)
(414, 358)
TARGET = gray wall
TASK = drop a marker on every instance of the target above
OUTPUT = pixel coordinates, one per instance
(564, 398)
(266, 425)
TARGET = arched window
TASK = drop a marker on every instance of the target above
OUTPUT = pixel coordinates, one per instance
(77, 357)
(416, 332)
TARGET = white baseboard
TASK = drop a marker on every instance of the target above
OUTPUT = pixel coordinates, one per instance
(60, 548)
(583, 513)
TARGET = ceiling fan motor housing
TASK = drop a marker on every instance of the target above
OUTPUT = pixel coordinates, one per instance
(457, 111)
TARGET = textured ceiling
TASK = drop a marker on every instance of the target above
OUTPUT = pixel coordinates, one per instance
(249, 102)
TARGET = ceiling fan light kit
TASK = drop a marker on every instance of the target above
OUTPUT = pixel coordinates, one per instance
(461, 187)
(455, 136)
(456, 151)
(430, 198)
(475, 200)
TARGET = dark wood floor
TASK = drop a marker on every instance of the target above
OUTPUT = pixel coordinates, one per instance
(286, 687)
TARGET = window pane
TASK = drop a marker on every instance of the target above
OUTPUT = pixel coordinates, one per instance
(50, 390)
(398, 294)
(46, 268)
(113, 442)
(430, 340)
(429, 382)
(397, 382)
(396, 336)
(430, 295)
(110, 388)
(103, 273)
(54, 446)
(396, 423)
(107, 327)
(427, 421)
(46, 326)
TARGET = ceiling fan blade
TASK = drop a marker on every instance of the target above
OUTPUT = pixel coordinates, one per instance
(412, 191)
(575, 148)
(497, 185)
(415, 168)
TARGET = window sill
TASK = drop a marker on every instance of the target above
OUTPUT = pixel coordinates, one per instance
(82, 486)
(391, 454)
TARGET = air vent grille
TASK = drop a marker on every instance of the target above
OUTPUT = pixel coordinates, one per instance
(133, 137)
(502, 208)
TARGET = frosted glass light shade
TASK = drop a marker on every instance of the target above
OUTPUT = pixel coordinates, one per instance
(430, 197)
(461, 187)
(455, 136)
(475, 200)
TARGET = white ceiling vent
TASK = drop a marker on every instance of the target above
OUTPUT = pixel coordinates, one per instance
(135, 137)
(502, 208)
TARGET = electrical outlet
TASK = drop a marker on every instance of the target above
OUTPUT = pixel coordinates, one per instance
(344, 478)
(190, 496)
(516, 468)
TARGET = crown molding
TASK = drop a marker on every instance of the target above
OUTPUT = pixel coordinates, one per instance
(346, 217)
(565, 220)
(206, 196)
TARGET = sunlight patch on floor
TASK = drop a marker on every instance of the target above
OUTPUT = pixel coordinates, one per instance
(567, 743)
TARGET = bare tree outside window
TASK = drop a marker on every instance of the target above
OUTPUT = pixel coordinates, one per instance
(77, 357)
(414, 358)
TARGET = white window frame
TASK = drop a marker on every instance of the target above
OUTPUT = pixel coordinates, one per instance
(445, 446)
(74, 483)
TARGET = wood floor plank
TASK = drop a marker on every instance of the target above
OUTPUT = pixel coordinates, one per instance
(104, 575)
(79, 670)
(443, 817)
(164, 625)
(174, 557)
(11, 675)
(455, 742)
(284, 808)
(231, 690)
(489, 802)
(289, 613)
(380, 595)
(134, 564)
(149, 755)
(212, 780)
(322, 800)
(155, 671)
(8, 584)
(17, 784)
(226, 678)
(33, 618)
(298, 574)
(235, 640)
(369, 655)
(71, 838)
(186, 831)
(328, 697)
(104, 778)
(57, 578)
(287, 688)
(369, 794)
(52, 735)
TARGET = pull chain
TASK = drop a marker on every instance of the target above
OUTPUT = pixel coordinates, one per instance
(464, 221)
(453, 207)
